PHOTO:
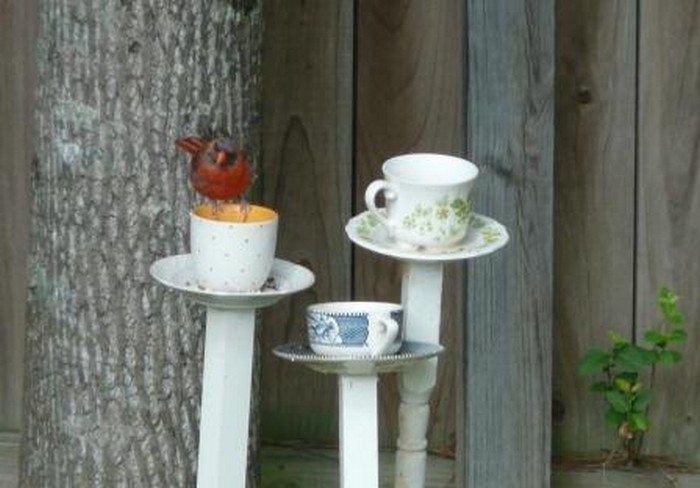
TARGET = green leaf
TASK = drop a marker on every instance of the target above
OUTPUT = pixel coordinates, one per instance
(649, 355)
(632, 359)
(593, 362)
(618, 401)
(656, 338)
(631, 377)
(614, 418)
(667, 304)
(616, 339)
(639, 422)
(674, 318)
(623, 385)
(669, 357)
(667, 296)
(600, 387)
(677, 335)
(642, 400)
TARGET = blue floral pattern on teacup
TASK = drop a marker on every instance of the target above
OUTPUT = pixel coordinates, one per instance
(346, 329)
(323, 329)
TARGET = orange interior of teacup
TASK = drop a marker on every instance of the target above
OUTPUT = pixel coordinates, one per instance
(233, 213)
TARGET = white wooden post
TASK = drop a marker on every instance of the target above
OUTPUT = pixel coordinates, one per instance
(421, 296)
(223, 434)
(359, 441)
(228, 363)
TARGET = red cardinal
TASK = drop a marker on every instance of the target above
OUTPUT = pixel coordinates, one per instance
(218, 171)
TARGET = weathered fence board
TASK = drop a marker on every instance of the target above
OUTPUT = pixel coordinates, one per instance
(409, 99)
(594, 205)
(17, 33)
(307, 167)
(509, 296)
(669, 206)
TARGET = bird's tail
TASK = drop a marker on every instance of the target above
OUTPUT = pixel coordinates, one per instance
(191, 145)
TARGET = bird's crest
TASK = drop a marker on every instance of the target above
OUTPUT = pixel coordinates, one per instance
(191, 145)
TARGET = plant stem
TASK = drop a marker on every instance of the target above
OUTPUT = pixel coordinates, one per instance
(652, 379)
(609, 375)
(631, 459)
(639, 448)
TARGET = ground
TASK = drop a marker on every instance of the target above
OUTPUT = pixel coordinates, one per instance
(282, 467)
(290, 467)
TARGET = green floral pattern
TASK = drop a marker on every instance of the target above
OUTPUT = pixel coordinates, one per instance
(447, 217)
(489, 233)
(482, 235)
(476, 222)
(367, 225)
(461, 209)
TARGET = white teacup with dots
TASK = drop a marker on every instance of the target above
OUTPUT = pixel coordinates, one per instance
(232, 256)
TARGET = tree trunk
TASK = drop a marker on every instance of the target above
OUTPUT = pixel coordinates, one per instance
(113, 360)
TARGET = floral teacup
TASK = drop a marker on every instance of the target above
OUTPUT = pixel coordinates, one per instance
(355, 328)
(427, 199)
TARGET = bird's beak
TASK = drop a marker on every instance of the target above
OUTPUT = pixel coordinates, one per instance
(221, 158)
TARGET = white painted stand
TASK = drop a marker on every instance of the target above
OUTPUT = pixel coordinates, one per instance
(223, 430)
(359, 442)
(228, 363)
(421, 296)
(357, 380)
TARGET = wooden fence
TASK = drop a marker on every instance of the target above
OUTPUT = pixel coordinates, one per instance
(627, 213)
(603, 204)
(17, 26)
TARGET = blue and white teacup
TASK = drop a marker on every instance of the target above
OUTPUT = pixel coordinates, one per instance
(355, 328)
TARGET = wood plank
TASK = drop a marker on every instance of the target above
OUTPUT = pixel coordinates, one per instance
(409, 99)
(306, 175)
(669, 207)
(594, 205)
(9, 460)
(17, 34)
(508, 344)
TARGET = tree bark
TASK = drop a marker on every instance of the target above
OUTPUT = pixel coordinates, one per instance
(113, 361)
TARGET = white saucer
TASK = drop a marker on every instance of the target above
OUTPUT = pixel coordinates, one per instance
(409, 353)
(484, 236)
(286, 278)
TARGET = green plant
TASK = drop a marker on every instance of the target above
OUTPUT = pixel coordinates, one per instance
(626, 396)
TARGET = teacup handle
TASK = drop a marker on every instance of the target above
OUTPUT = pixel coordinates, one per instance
(381, 333)
(390, 193)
